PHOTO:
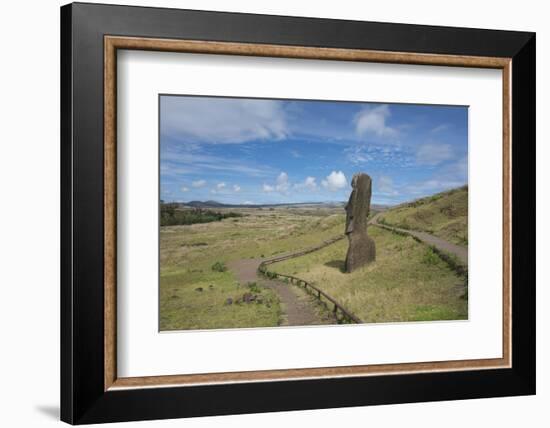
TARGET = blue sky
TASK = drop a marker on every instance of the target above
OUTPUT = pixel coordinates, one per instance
(256, 151)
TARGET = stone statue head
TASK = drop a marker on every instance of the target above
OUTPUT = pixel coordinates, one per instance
(358, 206)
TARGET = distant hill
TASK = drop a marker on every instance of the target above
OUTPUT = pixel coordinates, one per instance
(444, 214)
(205, 204)
(216, 204)
(375, 208)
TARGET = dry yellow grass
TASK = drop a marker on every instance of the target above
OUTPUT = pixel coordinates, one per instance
(444, 214)
(187, 254)
(407, 282)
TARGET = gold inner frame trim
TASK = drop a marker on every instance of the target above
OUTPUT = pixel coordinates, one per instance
(113, 43)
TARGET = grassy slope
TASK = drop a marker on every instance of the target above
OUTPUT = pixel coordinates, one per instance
(444, 215)
(188, 252)
(183, 307)
(406, 282)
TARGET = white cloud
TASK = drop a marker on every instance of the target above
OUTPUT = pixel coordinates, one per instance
(440, 128)
(184, 189)
(458, 169)
(248, 203)
(308, 184)
(433, 153)
(384, 184)
(220, 186)
(267, 188)
(222, 120)
(358, 155)
(384, 155)
(282, 183)
(434, 185)
(449, 176)
(236, 188)
(335, 181)
(373, 121)
(198, 184)
(176, 162)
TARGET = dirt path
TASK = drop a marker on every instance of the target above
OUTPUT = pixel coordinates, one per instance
(299, 307)
(440, 244)
(302, 309)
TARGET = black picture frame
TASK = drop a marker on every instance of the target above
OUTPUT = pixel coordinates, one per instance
(83, 399)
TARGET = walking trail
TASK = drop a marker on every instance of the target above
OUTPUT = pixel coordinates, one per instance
(299, 307)
(440, 244)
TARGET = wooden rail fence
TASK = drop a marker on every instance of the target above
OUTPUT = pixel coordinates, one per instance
(345, 316)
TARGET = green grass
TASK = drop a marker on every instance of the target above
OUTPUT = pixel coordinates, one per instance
(171, 215)
(407, 282)
(219, 267)
(197, 256)
(444, 215)
(201, 302)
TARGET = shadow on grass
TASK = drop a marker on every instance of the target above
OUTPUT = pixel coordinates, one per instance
(337, 264)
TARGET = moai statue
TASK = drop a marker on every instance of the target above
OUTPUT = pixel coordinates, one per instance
(361, 248)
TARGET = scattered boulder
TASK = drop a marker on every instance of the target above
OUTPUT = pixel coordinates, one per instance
(228, 301)
(199, 289)
(249, 297)
(361, 249)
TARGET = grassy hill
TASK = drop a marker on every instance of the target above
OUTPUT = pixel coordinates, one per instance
(407, 282)
(443, 214)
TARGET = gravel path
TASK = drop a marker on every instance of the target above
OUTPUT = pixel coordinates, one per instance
(440, 244)
(299, 307)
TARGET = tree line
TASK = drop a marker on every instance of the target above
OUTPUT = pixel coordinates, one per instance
(172, 215)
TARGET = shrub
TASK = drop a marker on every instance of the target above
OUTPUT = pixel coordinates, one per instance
(254, 287)
(219, 267)
(430, 257)
(270, 275)
(172, 215)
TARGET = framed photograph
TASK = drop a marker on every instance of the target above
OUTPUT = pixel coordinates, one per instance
(267, 213)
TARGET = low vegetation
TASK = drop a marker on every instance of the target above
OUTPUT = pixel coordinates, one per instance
(407, 282)
(444, 214)
(198, 256)
(172, 214)
(219, 267)
(207, 300)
